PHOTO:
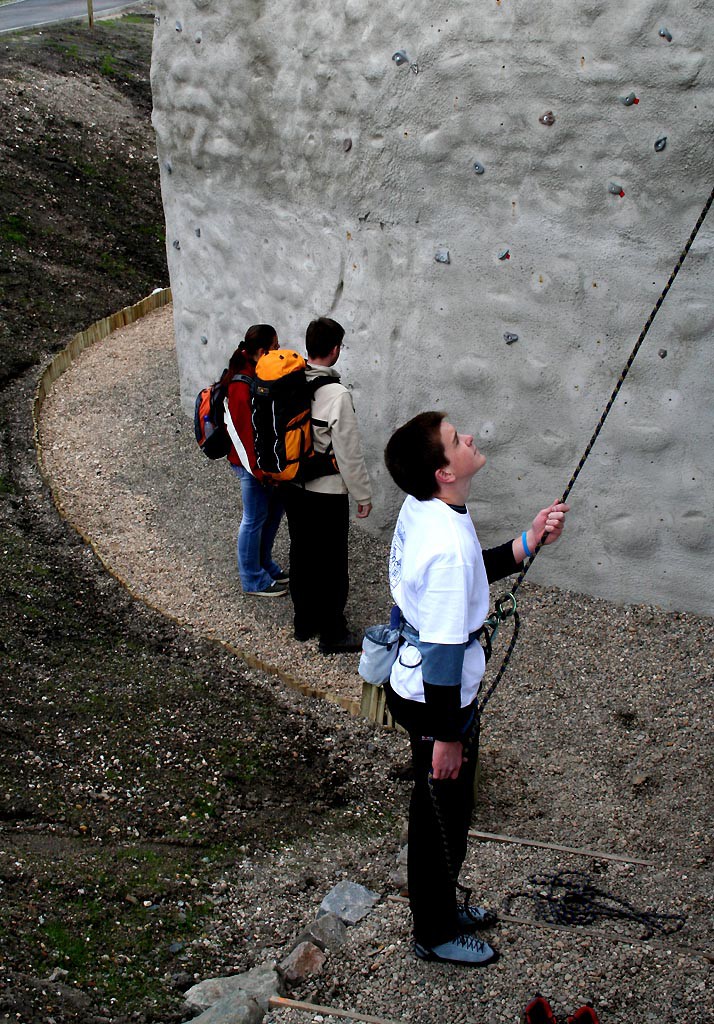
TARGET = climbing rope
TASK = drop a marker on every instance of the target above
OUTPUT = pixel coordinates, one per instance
(572, 898)
(501, 610)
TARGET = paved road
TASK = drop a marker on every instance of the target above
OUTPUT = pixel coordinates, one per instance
(29, 13)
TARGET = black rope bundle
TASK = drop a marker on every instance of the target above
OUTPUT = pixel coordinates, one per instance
(572, 898)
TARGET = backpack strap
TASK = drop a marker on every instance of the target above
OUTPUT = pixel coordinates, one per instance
(235, 436)
(243, 378)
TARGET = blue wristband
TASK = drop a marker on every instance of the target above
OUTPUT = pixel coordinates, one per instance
(524, 542)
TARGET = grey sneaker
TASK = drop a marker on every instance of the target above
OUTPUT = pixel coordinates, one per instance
(473, 918)
(274, 590)
(466, 950)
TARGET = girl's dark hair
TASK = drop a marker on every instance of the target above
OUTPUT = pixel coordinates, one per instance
(415, 452)
(256, 337)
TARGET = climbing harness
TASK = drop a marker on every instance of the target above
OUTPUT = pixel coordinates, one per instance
(572, 898)
(506, 607)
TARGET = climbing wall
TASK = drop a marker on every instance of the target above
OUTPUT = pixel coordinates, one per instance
(489, 197)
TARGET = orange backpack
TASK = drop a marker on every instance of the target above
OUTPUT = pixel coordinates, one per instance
(282, 425)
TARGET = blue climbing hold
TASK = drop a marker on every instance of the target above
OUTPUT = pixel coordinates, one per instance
(505, 255)
(666, 34)
(479, 168)
(510, 338)
(400, 58)
(630, 100)
(442, 256)
(660, 144)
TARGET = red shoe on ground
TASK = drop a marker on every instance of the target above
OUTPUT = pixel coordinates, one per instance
(585, 1015)
(538, 1011)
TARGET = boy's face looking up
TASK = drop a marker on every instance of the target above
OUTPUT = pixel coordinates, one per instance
(464, 459)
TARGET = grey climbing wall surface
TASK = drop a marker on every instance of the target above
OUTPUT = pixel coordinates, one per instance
(480, 193)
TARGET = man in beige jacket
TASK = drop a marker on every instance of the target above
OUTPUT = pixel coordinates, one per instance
(318, 510)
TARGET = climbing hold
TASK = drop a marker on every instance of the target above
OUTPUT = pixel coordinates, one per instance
(660, 144)
(176, 244)
(198, 232)
(157, 19)
(414, 67)
(666, 34)
(510, 338)
(400, 58)
(547, 118)
(479, 168)
(169, 168)
(629, 100)
(204, 339)
(198, 37)
(615, 190)
(662, 353)
(347, 145)
(505, 255)
(442, 256)
(179, 26)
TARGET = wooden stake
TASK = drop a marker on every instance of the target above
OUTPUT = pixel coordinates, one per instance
(278, 1002)
(492, 837)
(90, 13)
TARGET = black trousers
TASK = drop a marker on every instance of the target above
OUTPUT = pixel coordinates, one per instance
(319, 578)
(438, 834)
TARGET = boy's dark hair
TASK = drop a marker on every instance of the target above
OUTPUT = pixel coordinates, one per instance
(414, 452)
(321, 337)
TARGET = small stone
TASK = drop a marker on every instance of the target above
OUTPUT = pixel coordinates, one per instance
(327, 932)
(305, 961)
(349, 901)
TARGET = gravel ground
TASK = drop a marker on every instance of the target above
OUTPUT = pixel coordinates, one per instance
(599, 736)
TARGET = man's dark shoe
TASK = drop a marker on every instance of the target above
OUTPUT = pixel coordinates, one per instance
(473, 918)
(302, 635)
(282, 577)
(465, 950)
(585, 1015)
(274, 590)
(538, 1011)
(347, 644)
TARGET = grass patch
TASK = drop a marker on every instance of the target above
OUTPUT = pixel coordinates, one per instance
(12, 229)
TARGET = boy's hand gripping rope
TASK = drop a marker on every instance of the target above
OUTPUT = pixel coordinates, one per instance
(501, 611)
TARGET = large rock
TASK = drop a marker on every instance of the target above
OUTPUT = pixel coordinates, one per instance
(305, 171)
(237, 1008)
(258, 984)
(349, 901)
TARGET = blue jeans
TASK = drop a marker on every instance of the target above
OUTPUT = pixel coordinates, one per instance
(262, 510)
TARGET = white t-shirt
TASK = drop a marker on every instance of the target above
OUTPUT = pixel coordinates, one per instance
(438, 579)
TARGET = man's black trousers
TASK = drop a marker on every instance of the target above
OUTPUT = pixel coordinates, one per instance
(319, 579)
(430, 876)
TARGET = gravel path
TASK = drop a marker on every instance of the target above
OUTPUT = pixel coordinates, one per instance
(598, 738)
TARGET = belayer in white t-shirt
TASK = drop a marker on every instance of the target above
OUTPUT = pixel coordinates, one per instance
(439, 577)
